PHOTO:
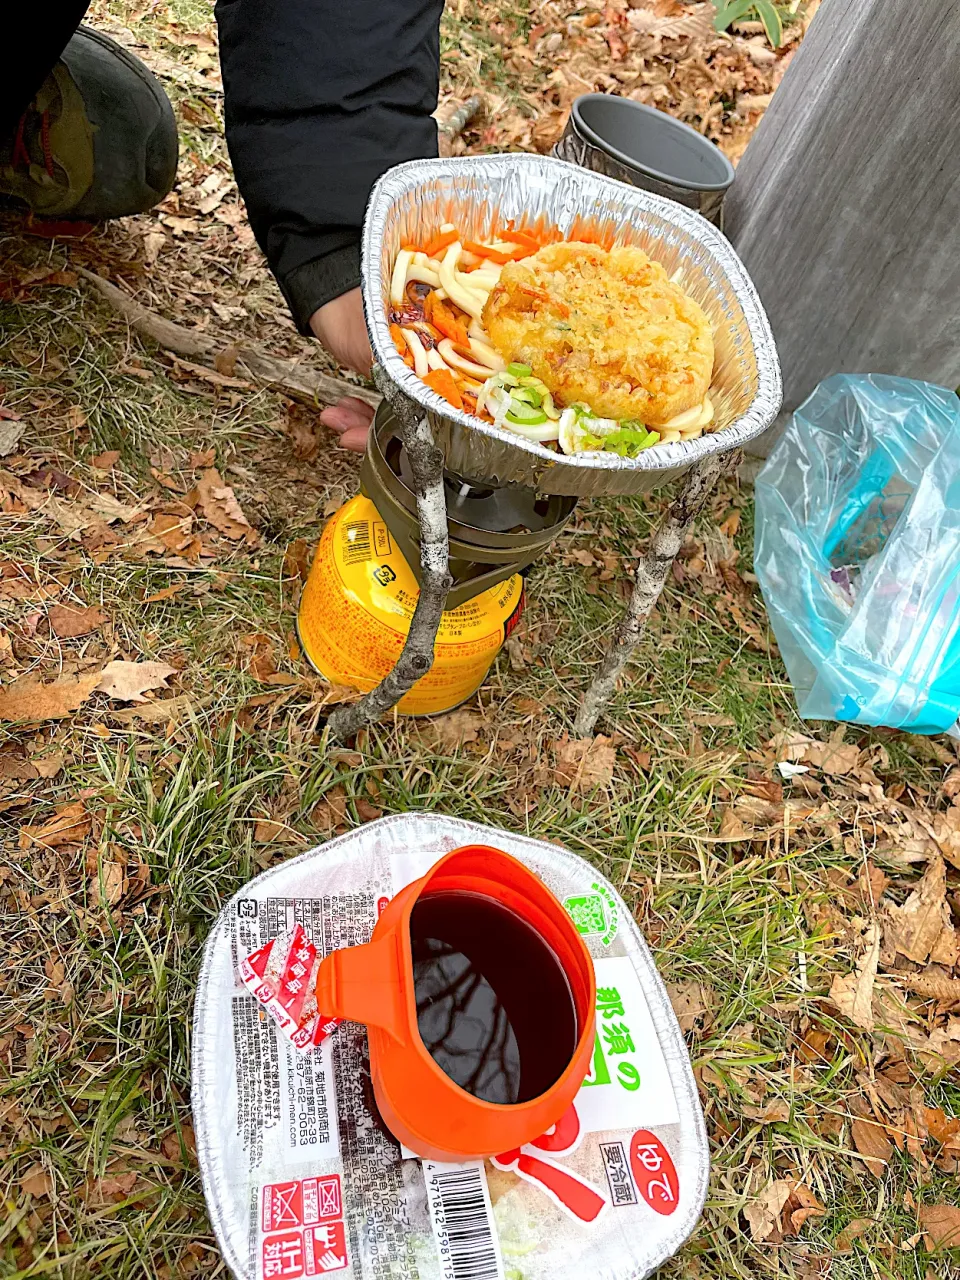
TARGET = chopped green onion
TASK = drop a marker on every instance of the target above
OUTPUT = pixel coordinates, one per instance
(629, 440)
(529, 395)
(524, 414)
(519, 370)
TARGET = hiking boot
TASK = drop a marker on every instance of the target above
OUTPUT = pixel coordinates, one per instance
(99, 139)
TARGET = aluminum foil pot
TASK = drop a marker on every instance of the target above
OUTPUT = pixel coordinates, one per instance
(298, 1169)
(479, 194)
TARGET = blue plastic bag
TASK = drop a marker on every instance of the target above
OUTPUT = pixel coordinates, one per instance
(858, 552)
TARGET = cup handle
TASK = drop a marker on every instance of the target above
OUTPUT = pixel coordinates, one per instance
(364, 984)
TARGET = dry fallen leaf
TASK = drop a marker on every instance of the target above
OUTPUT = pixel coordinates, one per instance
(763, 1213)
(163, 709)
(37, 1181)
(48, 766)
(109, 1190)
(732, 826)
(366, 811)
(917, 928)
(30, 699)
(153, 242)
(104, 461)
(174, 1144)
(693, 1003)
(69, 825)
(296, 560)
(225, 361)
(10, 433)
(108, 884)
(111, 509)
(854, 1229)
(833, 757)
(453, 729)
(777, 1111)
(801, 1206)
(946, 832)
(219, 504)
(584, 763)
(941, 1225)
(166, 593)
(69, 623)
(872, 1142)
(941, 1127)
(269, 830)
(127, 681)
(331, 812)
(853, 993)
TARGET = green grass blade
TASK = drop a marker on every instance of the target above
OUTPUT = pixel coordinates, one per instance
(770, 18)
(728, 13)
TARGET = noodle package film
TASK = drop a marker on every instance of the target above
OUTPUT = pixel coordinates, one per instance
(480, 195)
(300, 1174)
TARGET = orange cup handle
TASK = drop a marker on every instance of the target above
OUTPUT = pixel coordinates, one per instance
(364, 984)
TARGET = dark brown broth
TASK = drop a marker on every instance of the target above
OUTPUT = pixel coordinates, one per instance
(494, 1006)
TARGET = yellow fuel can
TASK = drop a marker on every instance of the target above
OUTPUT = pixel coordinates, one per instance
(358, 602)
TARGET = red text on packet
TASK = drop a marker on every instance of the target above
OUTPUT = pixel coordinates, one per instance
(654, 1172)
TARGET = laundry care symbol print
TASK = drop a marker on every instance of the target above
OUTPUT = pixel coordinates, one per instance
(303, 1230)
(314, 1252)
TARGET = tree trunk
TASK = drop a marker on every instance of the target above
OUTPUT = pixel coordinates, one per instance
(846, 205)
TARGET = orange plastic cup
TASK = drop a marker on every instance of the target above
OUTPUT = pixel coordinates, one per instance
(374, 984)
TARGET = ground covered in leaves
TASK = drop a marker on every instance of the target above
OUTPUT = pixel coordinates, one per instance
(161, 739)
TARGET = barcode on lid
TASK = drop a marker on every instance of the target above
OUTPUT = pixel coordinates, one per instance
(356, 541)
(463, 1221)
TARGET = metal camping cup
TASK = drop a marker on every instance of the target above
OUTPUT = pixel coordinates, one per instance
(374, 984)
(647, 148)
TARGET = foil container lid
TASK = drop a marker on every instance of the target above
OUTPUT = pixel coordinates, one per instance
(479, 193)
(300, 1175)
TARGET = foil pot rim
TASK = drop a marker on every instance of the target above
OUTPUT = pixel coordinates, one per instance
(763, 408)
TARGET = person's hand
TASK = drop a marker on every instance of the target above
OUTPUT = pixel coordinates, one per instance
(340, 327)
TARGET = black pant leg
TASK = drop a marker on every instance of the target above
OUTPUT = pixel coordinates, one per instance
(45, 31)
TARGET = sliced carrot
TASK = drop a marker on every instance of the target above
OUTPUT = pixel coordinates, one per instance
(500, 256)
(442, 382)
(442, 318)
(484, 251)
(410, 248)
(523, 238)
(440, 242)
(396, 333)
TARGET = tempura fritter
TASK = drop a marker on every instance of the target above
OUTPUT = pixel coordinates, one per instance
(604, 328)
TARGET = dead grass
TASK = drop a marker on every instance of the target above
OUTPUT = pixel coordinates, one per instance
(746, 886)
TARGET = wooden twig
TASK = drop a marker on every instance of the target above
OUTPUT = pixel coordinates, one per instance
(457, 121)
(651, 574)
(416, 657)
(287, 376)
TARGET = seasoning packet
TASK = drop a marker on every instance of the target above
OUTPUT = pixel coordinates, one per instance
(283, 977)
